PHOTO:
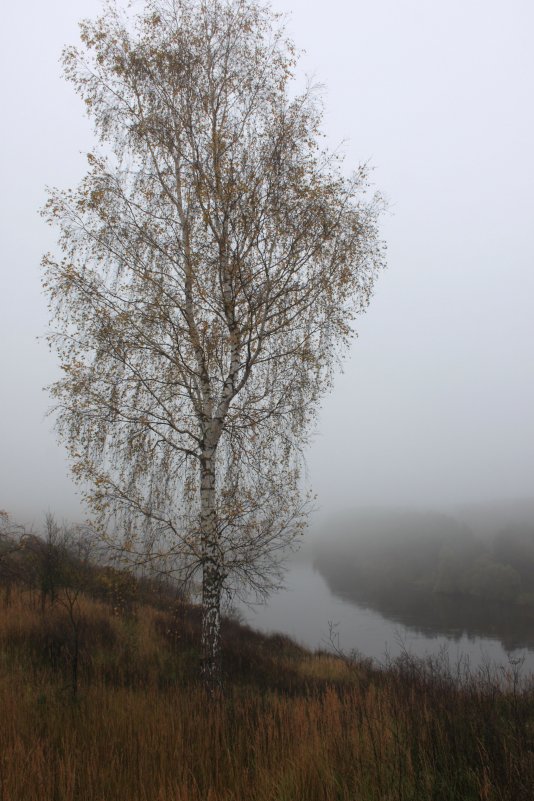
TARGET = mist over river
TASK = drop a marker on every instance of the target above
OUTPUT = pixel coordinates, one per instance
(306, 606)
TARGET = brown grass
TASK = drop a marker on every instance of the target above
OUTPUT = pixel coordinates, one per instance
(291, 726)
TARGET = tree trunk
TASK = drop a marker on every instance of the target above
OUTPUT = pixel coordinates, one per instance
(211, 629)
(212, 578)
(74, 665)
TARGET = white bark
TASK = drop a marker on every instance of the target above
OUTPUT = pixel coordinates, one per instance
(212, 575)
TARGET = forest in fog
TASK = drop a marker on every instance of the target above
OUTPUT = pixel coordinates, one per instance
(484, 552)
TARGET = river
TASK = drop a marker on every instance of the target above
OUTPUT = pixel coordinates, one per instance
(306, 607)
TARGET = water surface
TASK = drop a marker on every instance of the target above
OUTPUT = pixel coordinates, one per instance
(306, 607)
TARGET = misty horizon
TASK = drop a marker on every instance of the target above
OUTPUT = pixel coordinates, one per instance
(434, 406)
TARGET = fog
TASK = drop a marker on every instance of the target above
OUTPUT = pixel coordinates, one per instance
(434, 408)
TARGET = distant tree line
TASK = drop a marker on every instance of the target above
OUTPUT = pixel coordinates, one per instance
(502, 570)
(449, 560)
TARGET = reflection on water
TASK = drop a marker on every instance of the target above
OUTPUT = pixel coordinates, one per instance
(304, 609)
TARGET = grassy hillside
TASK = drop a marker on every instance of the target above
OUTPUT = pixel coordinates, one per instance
(100, 701)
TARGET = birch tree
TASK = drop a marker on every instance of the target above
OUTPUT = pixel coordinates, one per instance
(209, 269)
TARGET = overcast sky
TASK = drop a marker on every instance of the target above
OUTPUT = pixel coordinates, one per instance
(436, 403)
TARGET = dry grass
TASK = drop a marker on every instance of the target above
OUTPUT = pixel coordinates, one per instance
(290, 727)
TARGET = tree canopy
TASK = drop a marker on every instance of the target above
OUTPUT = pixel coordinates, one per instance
(212, 262)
